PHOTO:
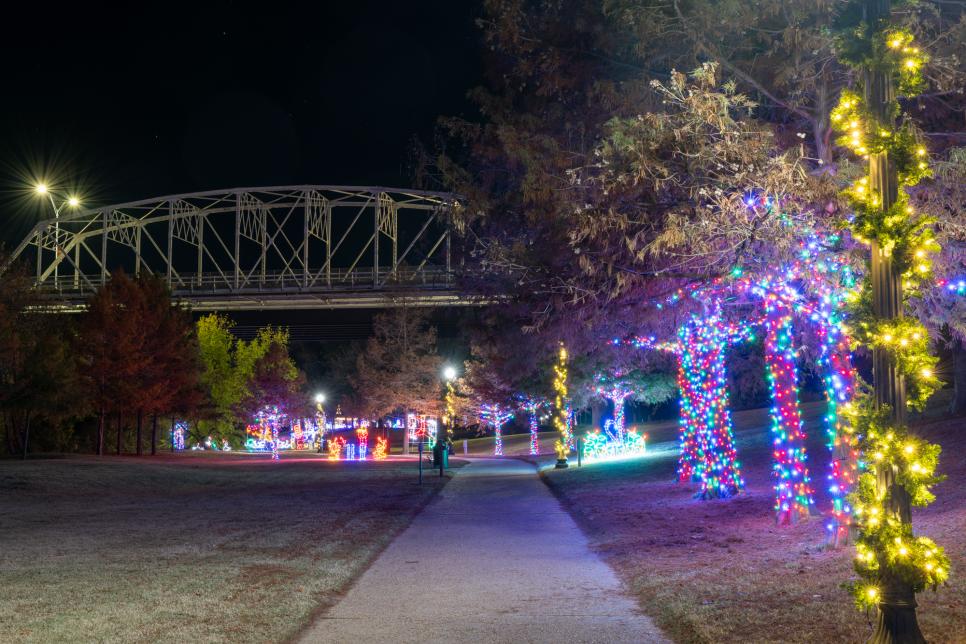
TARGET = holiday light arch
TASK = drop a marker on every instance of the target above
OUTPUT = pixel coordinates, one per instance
(707, 451)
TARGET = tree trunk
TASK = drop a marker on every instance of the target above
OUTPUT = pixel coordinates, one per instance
(101, 421)
(171, 434)
(958, 405)
(596, 413)
(119, 434)
(154, 435)
(138, 448)
(26, 434)
(11, 430)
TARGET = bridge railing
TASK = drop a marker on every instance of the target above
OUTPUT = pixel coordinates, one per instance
(337, 281)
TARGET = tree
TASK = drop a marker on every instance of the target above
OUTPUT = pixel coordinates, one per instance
(399, 370)
(785, 54)
(217, 350)
(109, 347)
(37, 371)
(228, 369)
(138, 353)
(275, 382)
(943, 309)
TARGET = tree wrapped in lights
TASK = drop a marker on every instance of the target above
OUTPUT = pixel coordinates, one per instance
(708, 454)
(617, 391)
(893, 563)
(495, 415)
(793, 486)
(533, 406)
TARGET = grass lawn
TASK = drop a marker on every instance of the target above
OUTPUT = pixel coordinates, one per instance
(722, 571)
(194, 547)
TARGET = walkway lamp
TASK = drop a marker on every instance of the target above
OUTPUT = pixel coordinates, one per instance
(320, 419)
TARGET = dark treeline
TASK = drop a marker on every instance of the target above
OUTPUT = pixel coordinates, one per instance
(82, 383)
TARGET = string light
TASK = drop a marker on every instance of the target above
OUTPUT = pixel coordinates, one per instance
(533, 406)
(381, 450)
(886, 548)
(362, 437)
(335, 445)
(792, 488)
(561, 420)
(178, 432)
(495, 416)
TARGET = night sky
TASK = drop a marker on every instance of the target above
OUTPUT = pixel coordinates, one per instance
(141, 100)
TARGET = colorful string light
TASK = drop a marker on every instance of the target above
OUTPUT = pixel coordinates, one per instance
(792, 487)
(178, 432)
(335, 445)
(533, 406)
(495, 416)
(362, 436)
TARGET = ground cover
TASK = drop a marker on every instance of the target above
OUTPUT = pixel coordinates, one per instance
(722, 571)
(193, 547)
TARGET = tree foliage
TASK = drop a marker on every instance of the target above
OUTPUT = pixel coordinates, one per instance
(399, 370)
(38, 375)
(241, 377)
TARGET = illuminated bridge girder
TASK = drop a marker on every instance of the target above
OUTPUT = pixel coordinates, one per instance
(257, 248)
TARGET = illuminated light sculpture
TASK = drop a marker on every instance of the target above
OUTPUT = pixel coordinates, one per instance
(562, 415)
(381, 450)
(617, 393)
(362, 436)
(598, 445)
(335, 446)
(495, 416)
(270, 418)
(178, 431)
(792, 487)
(422, 428)
(350, 451)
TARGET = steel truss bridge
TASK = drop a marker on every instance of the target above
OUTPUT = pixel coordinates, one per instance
(292, 247)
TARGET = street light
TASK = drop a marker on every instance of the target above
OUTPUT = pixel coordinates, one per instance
(449, 373)
(72, 201)
(320, 421)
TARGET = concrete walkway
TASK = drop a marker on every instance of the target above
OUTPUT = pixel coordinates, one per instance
(494, 558)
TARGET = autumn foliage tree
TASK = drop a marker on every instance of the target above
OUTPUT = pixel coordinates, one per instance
(228, 375)
(399, 369)
(275, 382)
(137, 353)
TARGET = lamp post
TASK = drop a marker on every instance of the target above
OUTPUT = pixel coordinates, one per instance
(43, 190)
(320, 414)
(442, 444)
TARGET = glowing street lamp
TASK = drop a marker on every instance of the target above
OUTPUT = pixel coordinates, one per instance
(449, 373)
(71, 201)
(320, 420)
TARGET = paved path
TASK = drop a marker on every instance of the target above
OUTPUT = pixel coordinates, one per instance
(494, 558)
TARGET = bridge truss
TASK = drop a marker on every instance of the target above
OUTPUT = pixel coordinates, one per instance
(257, 248)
